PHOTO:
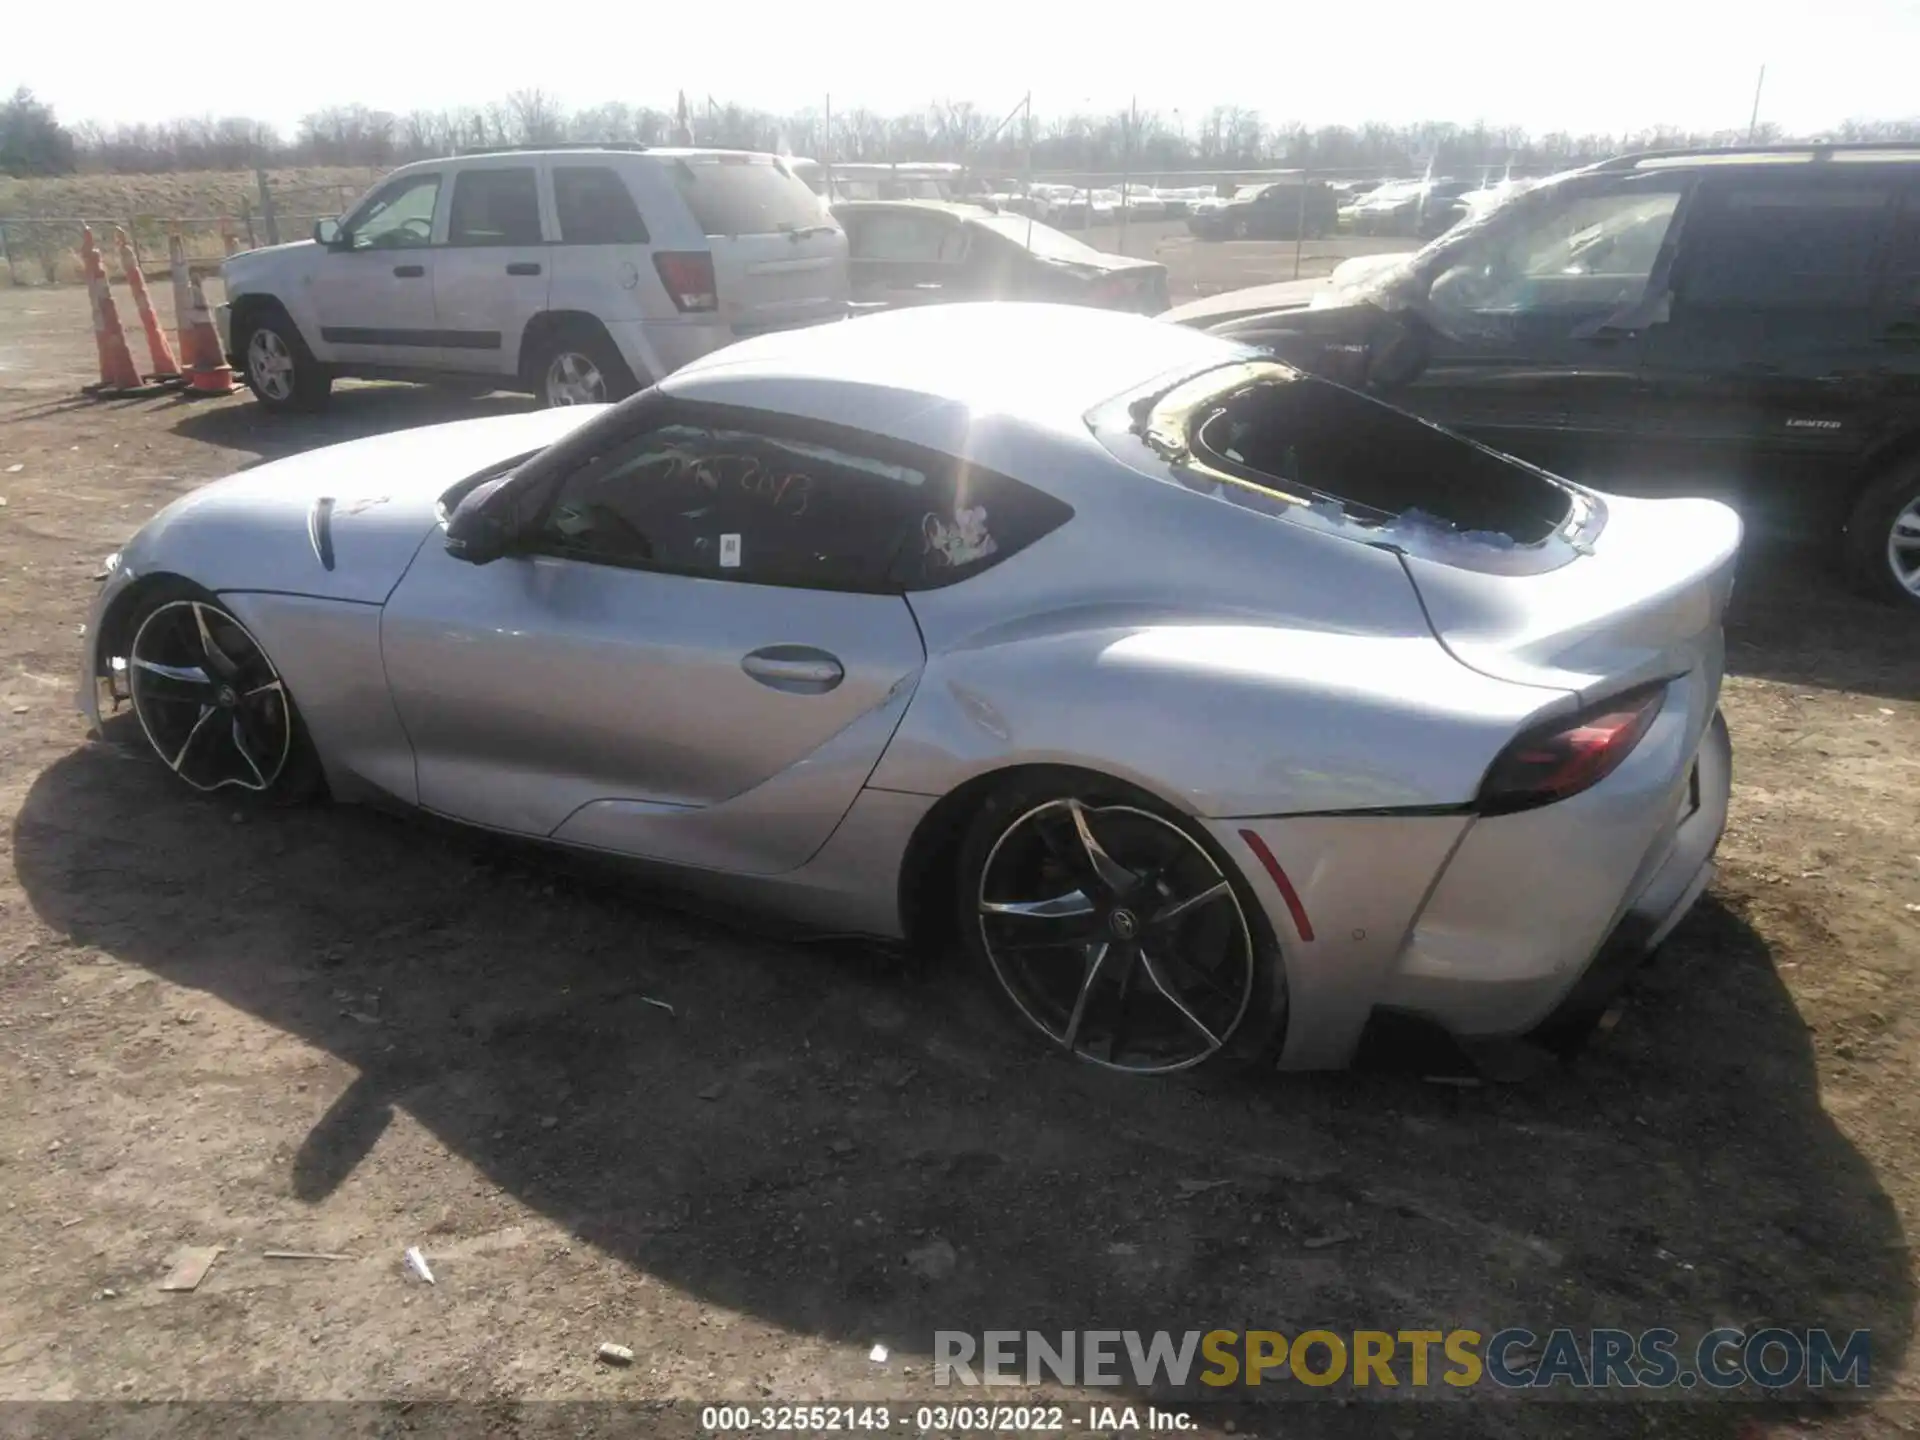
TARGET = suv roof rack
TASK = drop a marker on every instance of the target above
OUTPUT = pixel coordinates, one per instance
(555, 145)
(1810, 151)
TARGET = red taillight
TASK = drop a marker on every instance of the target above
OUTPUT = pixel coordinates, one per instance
(1564, 757)
(688, 276)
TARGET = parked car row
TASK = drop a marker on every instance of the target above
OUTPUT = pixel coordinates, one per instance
(585, 274)
(1741, 325)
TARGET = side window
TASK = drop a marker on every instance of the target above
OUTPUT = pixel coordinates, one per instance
(595, 207)
(1782, 247)
(739, 505)
(495, 207)
(973, 525)
(1902, 283)
(1576, 255)
(398, 217)
(906, 236)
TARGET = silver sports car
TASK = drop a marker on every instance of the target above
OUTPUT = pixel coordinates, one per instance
(1215, 710)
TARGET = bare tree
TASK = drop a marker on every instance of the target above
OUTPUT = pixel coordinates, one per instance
(1227, 137)
(537, 117)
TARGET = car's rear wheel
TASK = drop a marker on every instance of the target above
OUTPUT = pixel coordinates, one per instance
(277, 365)
(1883, 536)
(210, 702)
(579, 365)
(1113, 929)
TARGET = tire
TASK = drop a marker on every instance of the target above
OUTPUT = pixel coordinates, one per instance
(277, 365)
(189, 659)
(578, 365)
(1210, 993)
(1881, 548)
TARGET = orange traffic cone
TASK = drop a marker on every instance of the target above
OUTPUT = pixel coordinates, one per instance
(182, 298)
(209, 373)
(117, 371)
(165, 367)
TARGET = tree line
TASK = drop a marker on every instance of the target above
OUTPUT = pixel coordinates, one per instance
(34, 142)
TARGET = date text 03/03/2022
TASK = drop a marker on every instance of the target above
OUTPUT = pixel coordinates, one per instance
(942, 1419)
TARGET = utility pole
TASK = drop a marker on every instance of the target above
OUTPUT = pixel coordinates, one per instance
(1753, 124)
(1126, 167)
(826, 150)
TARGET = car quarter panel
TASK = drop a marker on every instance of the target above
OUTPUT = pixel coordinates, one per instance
(1358, 883)
(1156, 610)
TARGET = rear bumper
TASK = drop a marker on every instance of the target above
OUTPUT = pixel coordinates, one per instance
(1516, 941)
(1505, 926)
(1676, 885)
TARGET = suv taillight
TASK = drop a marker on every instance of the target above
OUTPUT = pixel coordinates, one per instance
(1564, 757)
(688, 276)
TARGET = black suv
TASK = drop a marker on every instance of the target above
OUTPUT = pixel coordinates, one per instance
(1737, 323)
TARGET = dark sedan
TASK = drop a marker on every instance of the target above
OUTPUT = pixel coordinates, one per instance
(924, 252)
(1277, 210)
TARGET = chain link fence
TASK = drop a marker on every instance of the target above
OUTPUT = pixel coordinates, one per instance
(45, 249)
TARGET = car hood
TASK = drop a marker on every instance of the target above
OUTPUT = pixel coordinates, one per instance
(295, 255)
(1285, 295)
(339, 523)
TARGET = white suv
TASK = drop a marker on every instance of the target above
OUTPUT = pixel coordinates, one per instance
(580, 274)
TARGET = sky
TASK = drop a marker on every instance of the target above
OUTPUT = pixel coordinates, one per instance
(1607, 67)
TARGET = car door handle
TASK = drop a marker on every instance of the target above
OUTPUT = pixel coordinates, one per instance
(797, 669)
(524, 267)
(409, 272)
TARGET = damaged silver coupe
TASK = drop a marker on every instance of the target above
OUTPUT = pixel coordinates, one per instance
(1212, 710)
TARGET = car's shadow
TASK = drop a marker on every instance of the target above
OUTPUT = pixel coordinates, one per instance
(802, 1119)
(1794, 620)
(352, 412)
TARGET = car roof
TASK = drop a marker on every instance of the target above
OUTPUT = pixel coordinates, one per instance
(1045, 364)
(610, 151)
(1865, 152)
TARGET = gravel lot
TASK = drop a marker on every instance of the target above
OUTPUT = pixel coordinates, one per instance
(331, 1030)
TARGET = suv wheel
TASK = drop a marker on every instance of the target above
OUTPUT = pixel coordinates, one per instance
(580, 366)
(279, 368)
(1883, 536)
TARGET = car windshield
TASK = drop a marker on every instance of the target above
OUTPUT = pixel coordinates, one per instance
(1042, 240)
(1389, 284)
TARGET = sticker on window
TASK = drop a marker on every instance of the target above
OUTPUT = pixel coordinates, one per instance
(960, 541)
(729, 552)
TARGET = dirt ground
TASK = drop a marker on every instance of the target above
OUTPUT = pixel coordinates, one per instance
(331, 1030)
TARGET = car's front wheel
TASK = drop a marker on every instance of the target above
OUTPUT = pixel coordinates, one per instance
(277, 365)
(1112, 928)
(1883, 536)
(211, 703)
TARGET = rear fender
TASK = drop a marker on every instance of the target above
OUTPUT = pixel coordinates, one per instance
(1296, 721)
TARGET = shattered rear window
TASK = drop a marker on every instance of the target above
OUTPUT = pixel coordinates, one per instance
(1267, 437)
